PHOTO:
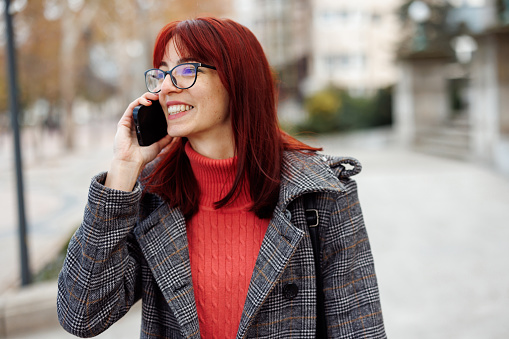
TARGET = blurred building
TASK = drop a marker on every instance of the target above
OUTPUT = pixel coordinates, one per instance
(353, 44)
(314, 44)
(283, 29)
(452, 92)
(317, 43)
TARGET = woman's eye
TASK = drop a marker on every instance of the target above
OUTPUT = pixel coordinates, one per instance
(185, 70)
(189, 71)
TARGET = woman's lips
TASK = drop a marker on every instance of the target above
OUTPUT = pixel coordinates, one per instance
(177, 109)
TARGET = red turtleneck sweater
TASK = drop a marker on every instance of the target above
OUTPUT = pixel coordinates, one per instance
(223, 247)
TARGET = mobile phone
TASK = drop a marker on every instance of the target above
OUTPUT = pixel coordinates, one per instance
(150, 122)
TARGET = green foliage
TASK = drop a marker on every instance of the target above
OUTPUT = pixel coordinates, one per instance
(323, 108)
(335, 110)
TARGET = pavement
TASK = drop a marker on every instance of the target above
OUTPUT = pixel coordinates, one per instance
(438, 230)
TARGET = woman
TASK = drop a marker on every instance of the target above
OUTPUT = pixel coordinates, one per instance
(207, 225)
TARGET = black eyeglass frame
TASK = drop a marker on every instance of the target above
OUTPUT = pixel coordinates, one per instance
(173, 80)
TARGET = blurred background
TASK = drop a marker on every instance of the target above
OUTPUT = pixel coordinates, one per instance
(418, 91)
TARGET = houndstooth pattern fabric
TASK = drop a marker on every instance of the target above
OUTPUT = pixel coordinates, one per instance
(132, 246)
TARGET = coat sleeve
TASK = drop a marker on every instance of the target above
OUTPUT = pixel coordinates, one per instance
(352, 303)
(100, 278)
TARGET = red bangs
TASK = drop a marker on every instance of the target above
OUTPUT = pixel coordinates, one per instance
(189, 40)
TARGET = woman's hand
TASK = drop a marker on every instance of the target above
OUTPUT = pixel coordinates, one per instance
(128, 156)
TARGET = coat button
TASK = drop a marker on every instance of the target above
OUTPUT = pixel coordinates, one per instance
(290, 291)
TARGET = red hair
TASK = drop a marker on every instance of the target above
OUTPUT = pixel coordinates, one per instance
(259, 142)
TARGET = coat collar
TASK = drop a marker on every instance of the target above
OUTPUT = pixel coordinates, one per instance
(306, 172)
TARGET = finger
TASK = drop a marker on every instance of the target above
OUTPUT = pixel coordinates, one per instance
(147, 98)
(127, 118)
(150, 96)
(144, 100)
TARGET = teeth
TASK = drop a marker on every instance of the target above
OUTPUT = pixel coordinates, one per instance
(179, 108)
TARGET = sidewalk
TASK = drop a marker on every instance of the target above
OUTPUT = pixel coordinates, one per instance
(440, 237)
(56, 186)
(438, 230)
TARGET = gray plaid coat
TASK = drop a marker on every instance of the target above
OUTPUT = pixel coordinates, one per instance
(132, 246)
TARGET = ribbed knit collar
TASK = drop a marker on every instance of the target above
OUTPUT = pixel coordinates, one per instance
(215, 178)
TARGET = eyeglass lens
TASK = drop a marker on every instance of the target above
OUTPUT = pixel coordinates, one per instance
(182, 76)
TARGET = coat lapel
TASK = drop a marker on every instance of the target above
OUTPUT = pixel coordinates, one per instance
(278, 246)
(163, 240)
(302, 173)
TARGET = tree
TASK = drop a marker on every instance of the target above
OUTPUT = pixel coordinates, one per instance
(74, 24)
(56, 39)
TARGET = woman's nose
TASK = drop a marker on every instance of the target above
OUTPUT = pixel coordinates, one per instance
(167, 86)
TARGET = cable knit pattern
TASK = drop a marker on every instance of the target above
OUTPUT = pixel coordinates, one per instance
(223, 247)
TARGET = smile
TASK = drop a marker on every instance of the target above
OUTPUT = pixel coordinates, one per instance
(175, 109)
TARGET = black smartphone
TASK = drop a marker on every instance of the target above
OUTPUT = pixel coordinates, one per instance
(150, 122)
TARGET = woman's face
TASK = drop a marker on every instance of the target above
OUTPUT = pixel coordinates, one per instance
(199, 113)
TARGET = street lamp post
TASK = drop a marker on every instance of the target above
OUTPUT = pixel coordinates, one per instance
(13, 96)
(419, 12)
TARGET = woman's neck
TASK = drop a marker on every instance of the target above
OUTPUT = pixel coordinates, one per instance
(216, 148)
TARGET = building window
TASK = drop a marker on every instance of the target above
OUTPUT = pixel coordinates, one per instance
(336, 17)
(345, 63)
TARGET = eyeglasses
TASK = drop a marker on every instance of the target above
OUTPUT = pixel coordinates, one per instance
(182, 76)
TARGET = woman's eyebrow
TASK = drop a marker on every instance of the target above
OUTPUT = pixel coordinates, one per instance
(179, 62)
(184, 60)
